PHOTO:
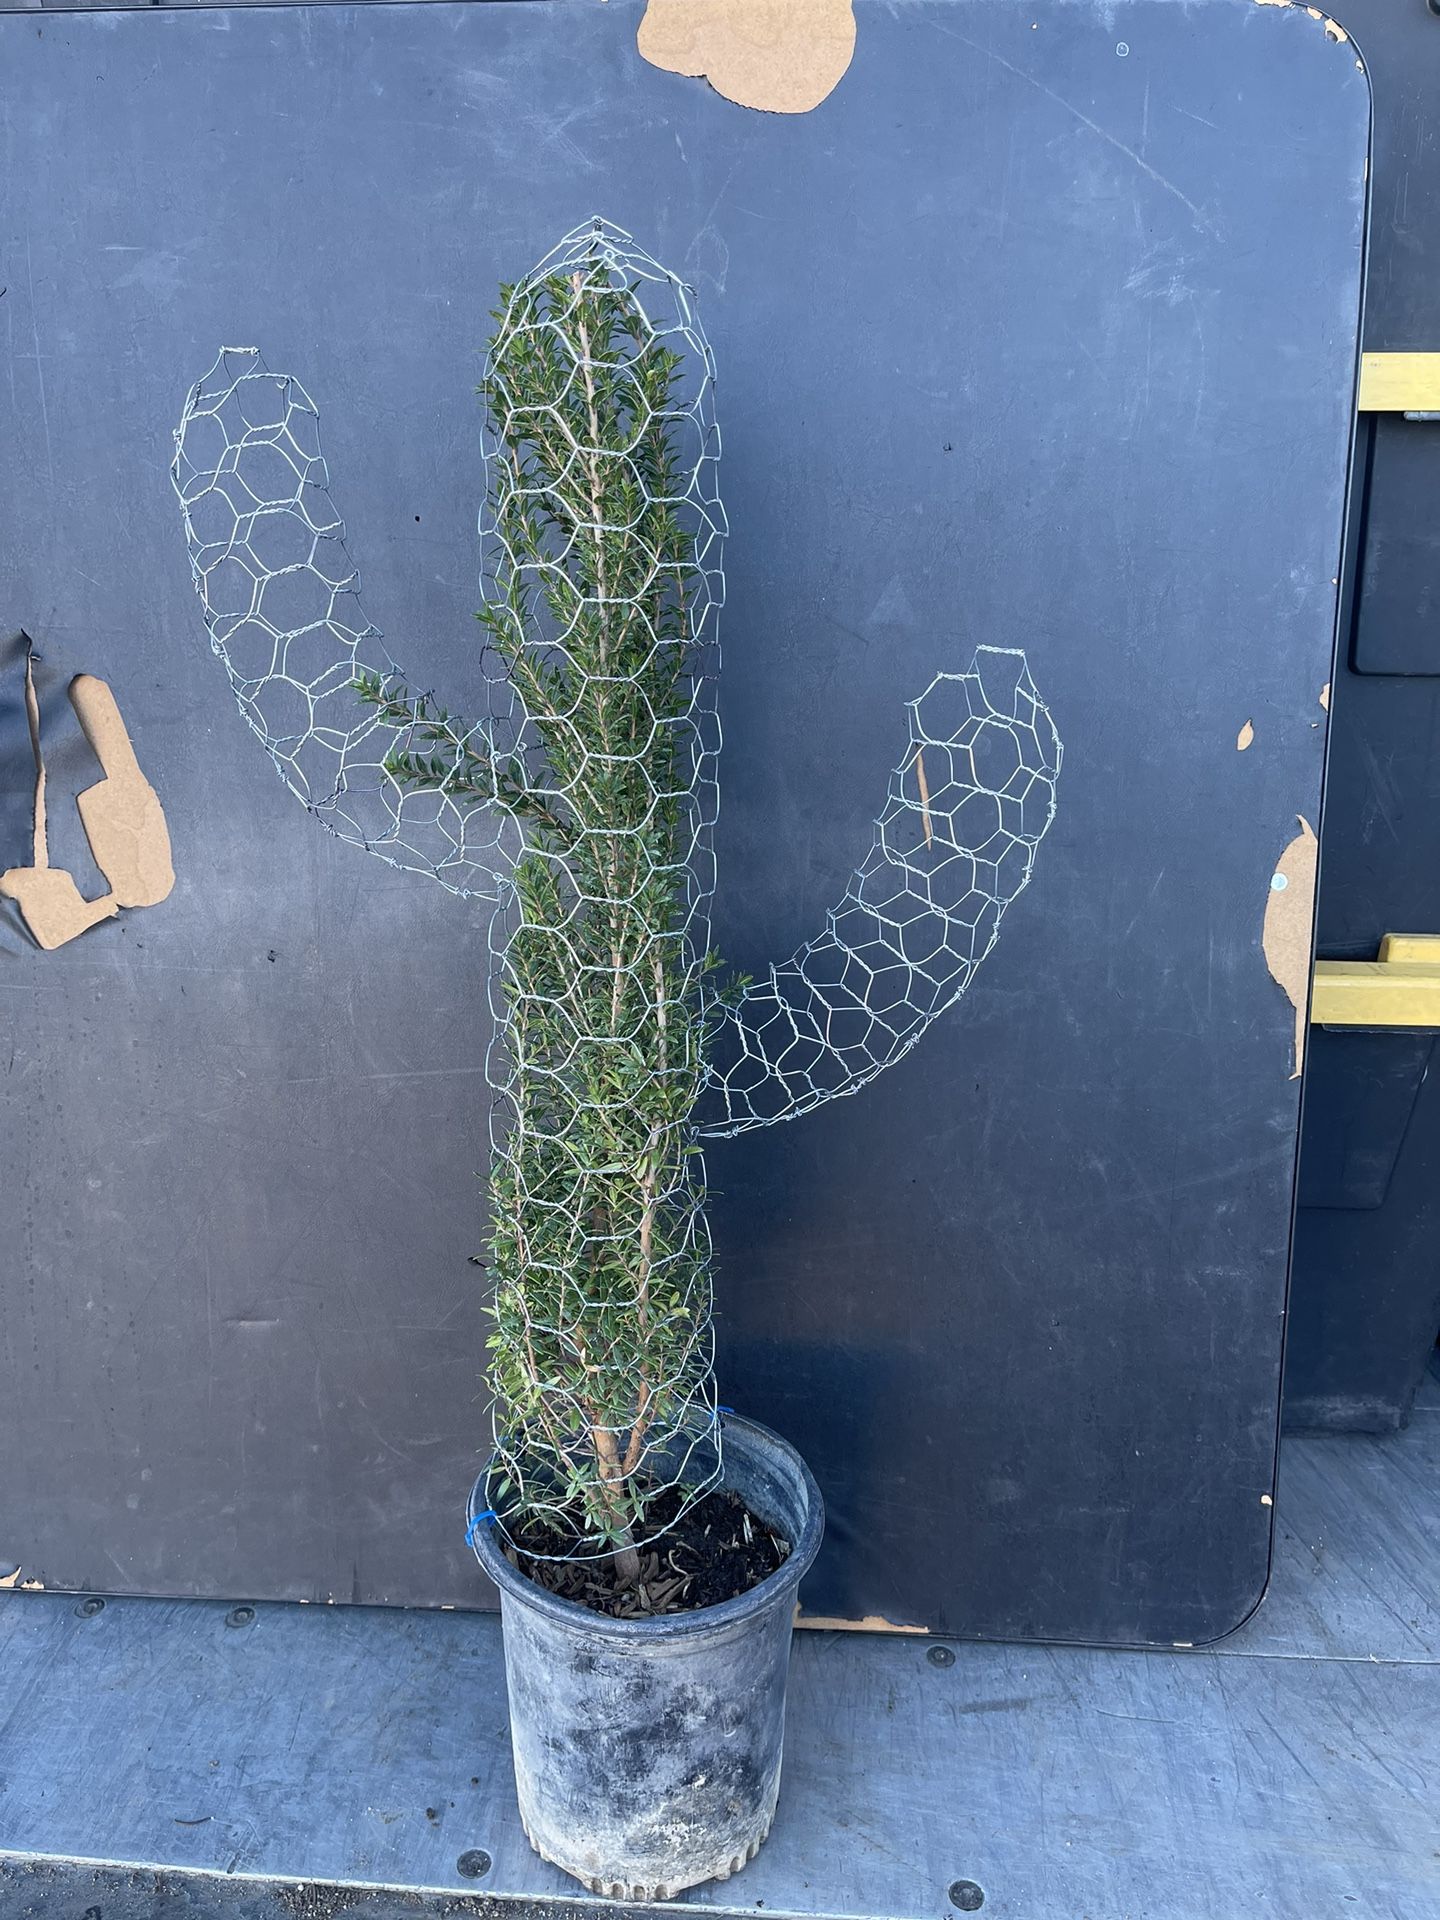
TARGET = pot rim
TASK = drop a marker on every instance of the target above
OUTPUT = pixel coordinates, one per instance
(671, 1626)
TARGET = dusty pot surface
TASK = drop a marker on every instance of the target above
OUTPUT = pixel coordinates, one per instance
(647, 1752)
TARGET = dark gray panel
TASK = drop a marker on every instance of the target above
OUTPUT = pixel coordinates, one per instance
(1011, 351)
(1366, 1302)
(1365, 1296)
(1397, 612)
(1361, 1091)
(1400, 42)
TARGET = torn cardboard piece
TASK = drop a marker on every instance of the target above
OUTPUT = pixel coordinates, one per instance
(121, 815)
(778, 56)
(53, 907)
(1289, 921)
(867, 1623)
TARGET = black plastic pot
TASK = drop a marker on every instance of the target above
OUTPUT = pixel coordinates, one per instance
(647, 1752)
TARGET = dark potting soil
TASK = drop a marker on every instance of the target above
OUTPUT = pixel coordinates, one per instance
(715, 1551)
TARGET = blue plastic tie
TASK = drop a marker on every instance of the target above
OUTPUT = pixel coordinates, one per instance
(487, 1518)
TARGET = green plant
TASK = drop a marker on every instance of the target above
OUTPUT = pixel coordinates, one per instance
(600, 1254)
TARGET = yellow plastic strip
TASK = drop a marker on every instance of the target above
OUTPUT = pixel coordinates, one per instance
(1400, 989)
(1399, 383)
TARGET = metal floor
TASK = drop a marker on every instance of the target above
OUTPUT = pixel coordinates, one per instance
(156, 1760)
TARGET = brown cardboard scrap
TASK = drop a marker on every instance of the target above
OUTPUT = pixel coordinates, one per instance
(867, 1623)
(53, 907)
(1287, 931)
(122, 818)
(1246, 737)
(779, 56)
(121, 814)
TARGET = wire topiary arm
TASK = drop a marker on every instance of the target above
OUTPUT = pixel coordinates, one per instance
(968, 805)
(378, 765)
(395, 772)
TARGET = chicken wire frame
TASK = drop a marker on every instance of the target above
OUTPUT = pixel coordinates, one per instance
(969, 801)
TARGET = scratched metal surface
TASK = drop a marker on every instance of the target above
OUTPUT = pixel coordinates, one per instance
(1039, 332)
(1293, 1770)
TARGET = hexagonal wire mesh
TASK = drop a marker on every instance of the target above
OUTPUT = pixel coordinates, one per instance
(583, 803)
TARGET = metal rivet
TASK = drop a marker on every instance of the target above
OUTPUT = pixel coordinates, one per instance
(473, 1864)
(89, 1607)
(240, 1616)
(965, 1895)
(941, 1657)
